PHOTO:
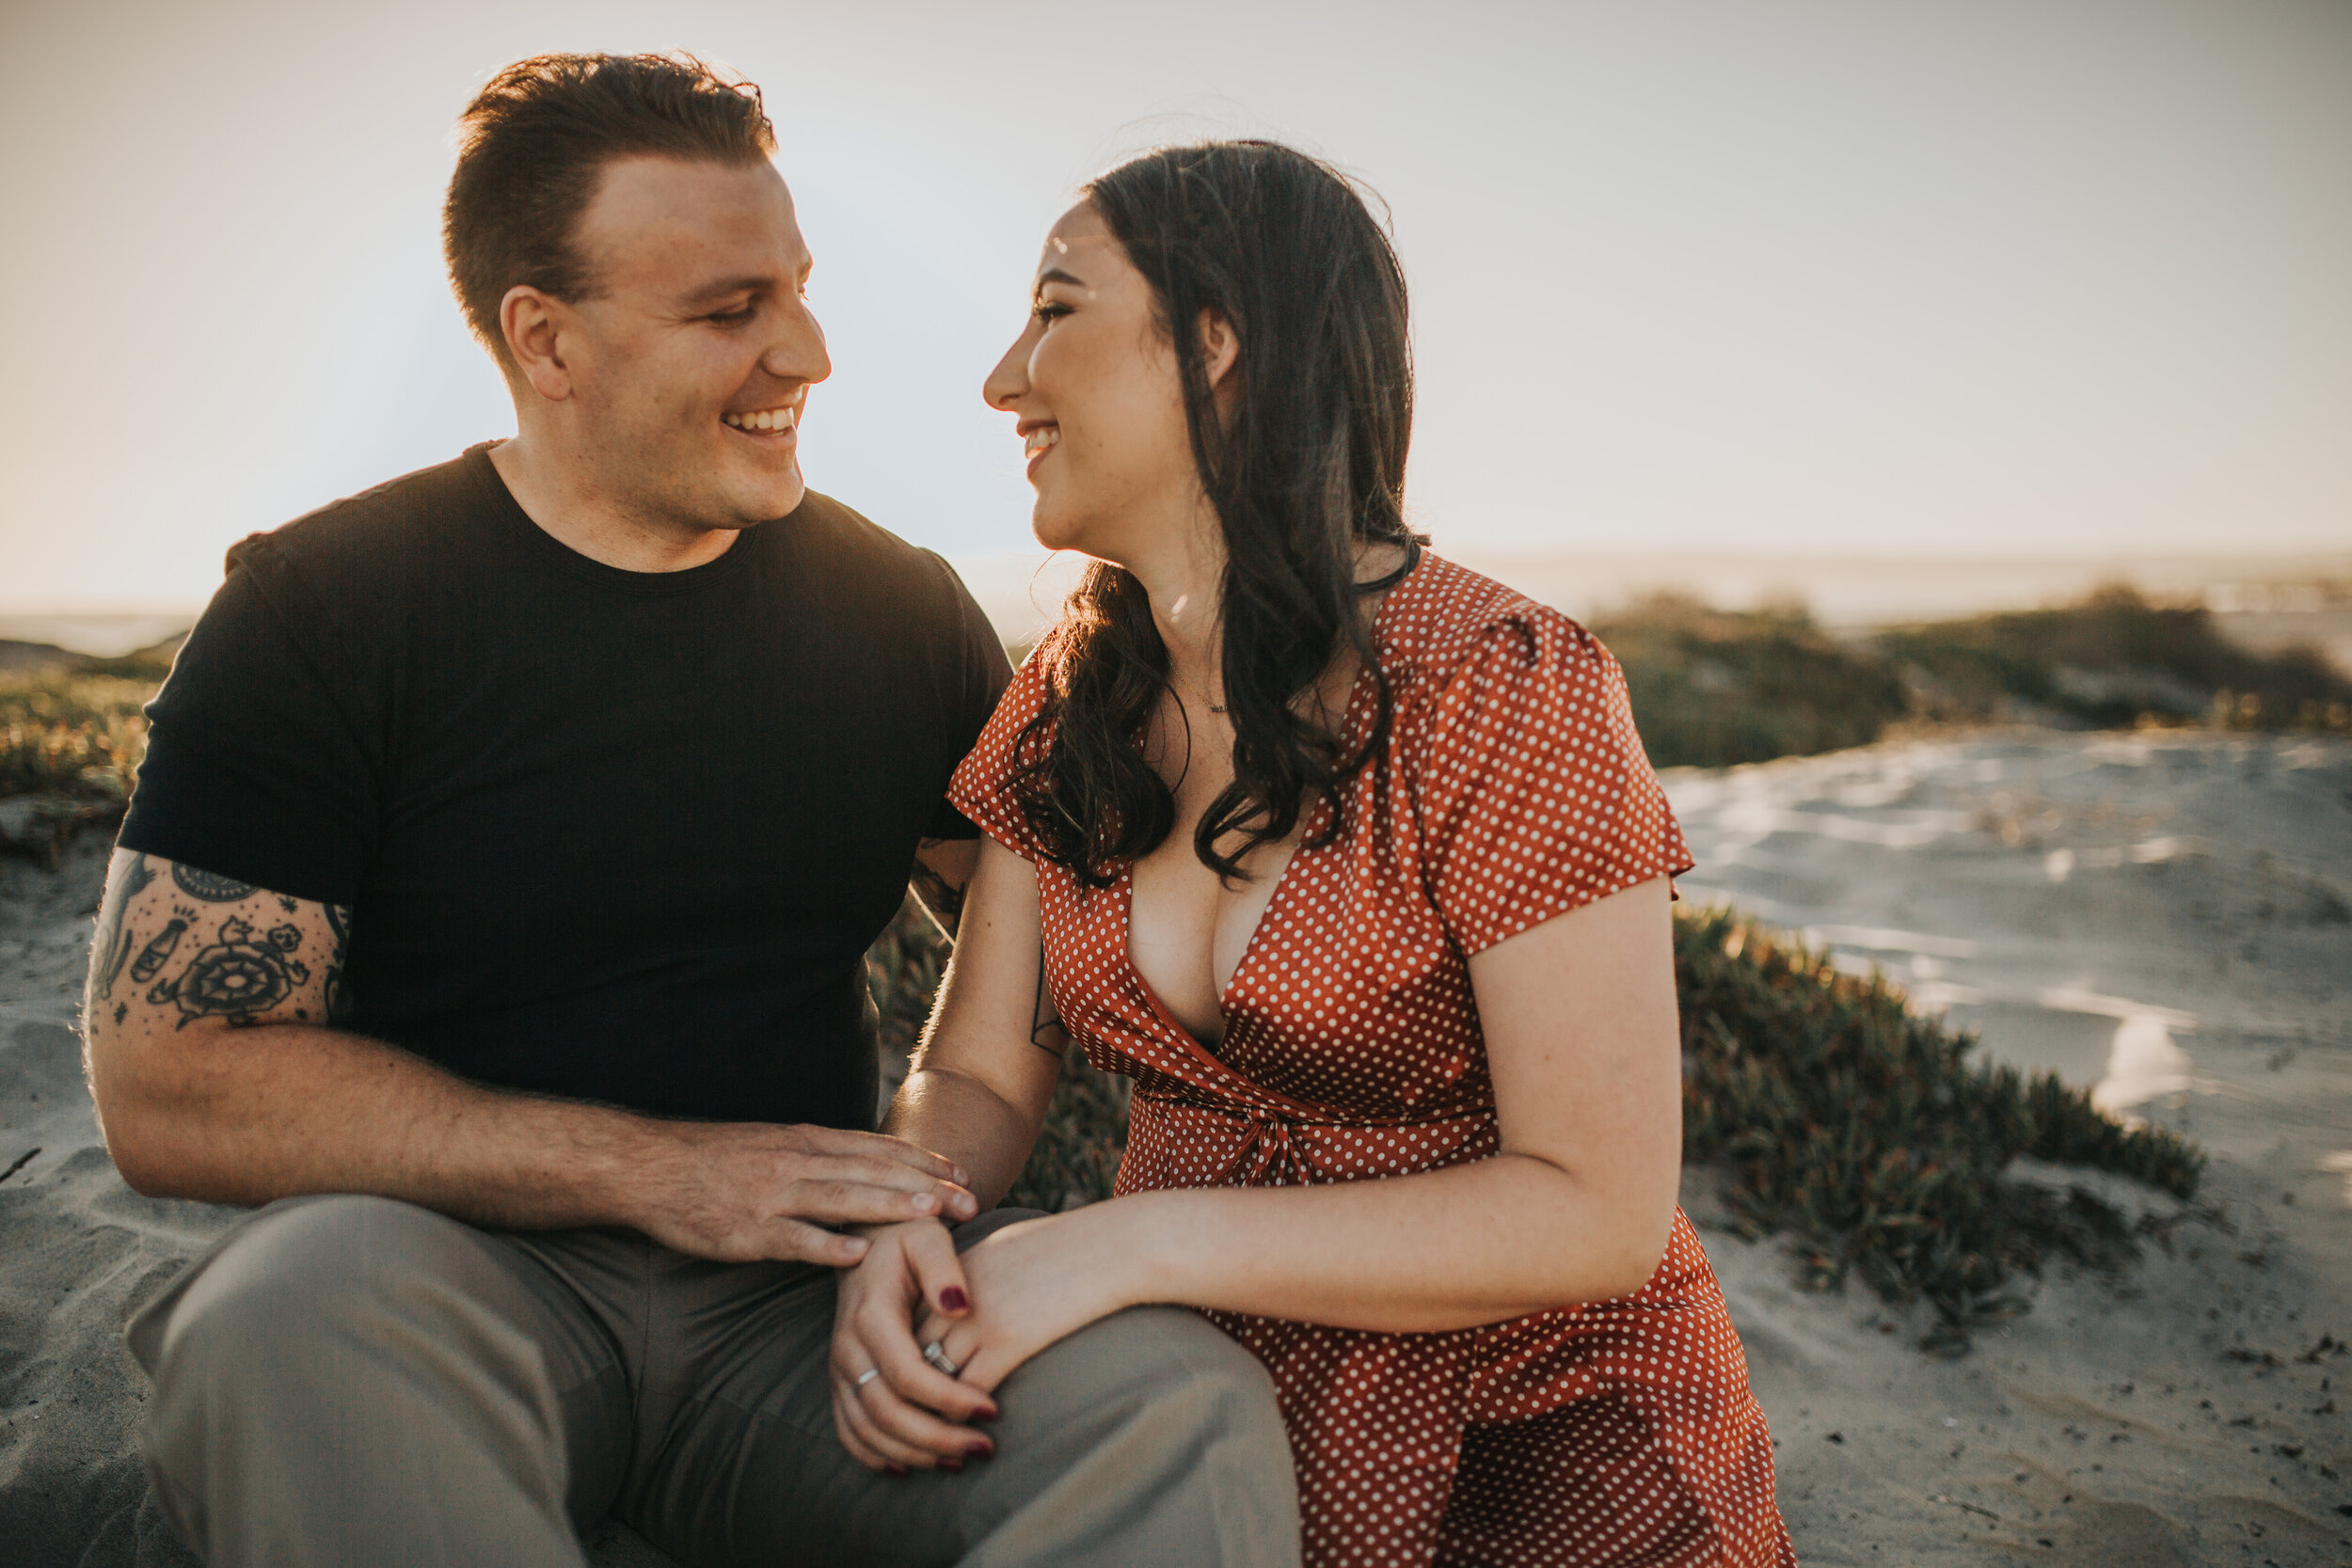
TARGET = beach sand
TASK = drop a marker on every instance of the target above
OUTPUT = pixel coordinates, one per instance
(2168, 917)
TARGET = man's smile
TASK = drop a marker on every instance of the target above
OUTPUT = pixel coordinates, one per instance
(778, 421)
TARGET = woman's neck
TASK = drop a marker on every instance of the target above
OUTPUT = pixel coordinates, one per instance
(1183, 580)
(1185, 583)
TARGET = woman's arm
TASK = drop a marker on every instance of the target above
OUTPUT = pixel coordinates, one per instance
(982, 1079)
(1580, 1022)
(993, 1051)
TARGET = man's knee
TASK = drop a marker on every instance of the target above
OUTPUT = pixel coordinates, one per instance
(348, 1370)
(302, 1273)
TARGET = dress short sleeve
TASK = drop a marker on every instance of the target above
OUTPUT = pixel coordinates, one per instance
(1533, 794)
(982, 789)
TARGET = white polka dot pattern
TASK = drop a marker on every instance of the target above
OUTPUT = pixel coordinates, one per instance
(1511, 789)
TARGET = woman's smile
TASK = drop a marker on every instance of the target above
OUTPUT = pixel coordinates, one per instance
(1036, 439)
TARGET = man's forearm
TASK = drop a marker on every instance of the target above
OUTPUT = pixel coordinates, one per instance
(250, 1114)
(212, 1081)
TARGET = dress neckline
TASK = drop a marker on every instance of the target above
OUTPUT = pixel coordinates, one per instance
(1401, 583)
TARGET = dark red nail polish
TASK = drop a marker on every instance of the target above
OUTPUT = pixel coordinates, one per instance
(952, 1299)
(898, 1469)
(955, 1466)
(982, 1451)
(987, 1413)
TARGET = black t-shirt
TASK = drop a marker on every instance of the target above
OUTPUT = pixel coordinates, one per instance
(613, 836)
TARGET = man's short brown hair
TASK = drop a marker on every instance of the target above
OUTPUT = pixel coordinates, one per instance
(533, 144)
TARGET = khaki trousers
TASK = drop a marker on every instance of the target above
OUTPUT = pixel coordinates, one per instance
(346, 1381)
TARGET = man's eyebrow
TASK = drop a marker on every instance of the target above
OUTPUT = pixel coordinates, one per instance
(731, 286)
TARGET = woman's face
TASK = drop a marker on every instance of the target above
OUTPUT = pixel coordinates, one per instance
(1093, 383)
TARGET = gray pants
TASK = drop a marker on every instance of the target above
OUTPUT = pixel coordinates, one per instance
(353, 1380)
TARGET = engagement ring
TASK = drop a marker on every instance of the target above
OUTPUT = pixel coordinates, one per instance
(936, 1355)
(868, 1375)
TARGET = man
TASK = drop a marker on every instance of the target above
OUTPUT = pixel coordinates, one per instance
(492, 907)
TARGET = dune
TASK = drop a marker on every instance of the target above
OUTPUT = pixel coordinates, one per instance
(2166, 918)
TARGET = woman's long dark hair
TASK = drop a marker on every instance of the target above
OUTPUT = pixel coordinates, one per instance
(1308, 468)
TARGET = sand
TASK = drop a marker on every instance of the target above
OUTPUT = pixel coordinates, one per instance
(2168, 918)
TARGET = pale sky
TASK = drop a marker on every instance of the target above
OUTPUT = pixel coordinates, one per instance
(1756, 276)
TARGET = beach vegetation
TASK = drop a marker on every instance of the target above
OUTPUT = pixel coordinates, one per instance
(1881, 1143)
(1713, 688)
(1716, 688)
(2115, 660)
(72, 732)
(70, 741)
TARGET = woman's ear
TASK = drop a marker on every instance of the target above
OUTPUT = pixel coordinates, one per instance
(1220, 346)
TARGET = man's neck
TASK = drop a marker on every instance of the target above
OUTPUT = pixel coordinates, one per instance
(563, 500)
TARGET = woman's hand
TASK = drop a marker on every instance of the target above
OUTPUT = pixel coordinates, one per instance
(1032, 1284)
(909, 1416)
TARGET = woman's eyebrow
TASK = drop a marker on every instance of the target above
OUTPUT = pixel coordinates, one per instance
(1055, 275)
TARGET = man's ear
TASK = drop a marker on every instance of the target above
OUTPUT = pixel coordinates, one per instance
(532, 324)
(1220, 347)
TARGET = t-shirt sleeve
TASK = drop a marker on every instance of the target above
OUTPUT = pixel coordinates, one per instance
(979, 674)
(255, 766)
(1535, 796)
(982, 789)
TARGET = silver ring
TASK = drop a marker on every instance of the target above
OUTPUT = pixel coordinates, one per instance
(868, 1375)
(936, 1353)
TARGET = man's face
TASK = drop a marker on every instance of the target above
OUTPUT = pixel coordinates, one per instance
(691, 361)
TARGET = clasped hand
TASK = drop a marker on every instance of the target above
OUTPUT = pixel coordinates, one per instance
(989, 1311)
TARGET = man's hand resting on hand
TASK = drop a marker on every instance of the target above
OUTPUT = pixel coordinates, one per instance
(745, 1191)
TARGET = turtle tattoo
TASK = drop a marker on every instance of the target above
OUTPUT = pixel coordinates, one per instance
(239, 976)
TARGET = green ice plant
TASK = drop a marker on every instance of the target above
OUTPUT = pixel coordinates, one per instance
(1874, 1138)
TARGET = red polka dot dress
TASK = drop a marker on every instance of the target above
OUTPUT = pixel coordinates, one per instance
(1511, 789)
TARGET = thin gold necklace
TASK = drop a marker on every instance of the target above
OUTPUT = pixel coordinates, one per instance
(1184, 688)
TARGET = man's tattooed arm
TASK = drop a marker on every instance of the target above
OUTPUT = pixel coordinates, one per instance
(195, 945)
(208, 886)
(339, 922)
(942, 869)
(130, 876)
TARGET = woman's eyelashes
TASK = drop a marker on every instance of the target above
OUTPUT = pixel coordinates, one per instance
(1049, 309)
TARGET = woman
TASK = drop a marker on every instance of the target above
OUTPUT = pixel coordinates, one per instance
(1350, 858)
